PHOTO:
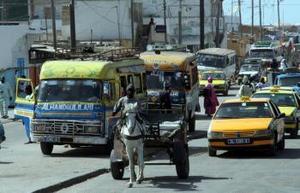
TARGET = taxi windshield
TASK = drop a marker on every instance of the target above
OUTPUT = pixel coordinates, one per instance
(215, 76)
(288, 81)
(278, 99)
(157, 80)
(69, 90)
(243, 110)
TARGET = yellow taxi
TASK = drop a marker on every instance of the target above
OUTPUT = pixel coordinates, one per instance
(246, 124)
(289, 104)
(221, 84)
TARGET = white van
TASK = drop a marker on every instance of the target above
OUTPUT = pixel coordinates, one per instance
(217, 59)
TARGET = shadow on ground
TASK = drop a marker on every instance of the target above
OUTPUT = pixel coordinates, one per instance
(1, 162)
(172, 182)
(285, 154)
(91, 152)
(197, 135)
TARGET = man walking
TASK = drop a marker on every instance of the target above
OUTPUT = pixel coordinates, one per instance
(5, 98)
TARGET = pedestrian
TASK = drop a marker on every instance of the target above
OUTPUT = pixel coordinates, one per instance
(5, 98)
(246, 88)
(274, 64)
(283, 65)
(165, 98)
(210, 98)
(261, 84)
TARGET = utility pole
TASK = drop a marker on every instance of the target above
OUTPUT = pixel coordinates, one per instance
(46, 25)
(240, 16)
(118, 24)
(53, 25)
(260, 21)
(231, 18)
(165, 20)
(218, 25)
(132, 24)
(180, 22)
(252, 19)
(278, 12)
(202, 15)
(72, 26)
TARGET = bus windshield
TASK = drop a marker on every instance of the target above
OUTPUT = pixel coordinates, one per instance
(262, 53)
(158, 80)
(69, 90)
(211, 60)
(215, 76)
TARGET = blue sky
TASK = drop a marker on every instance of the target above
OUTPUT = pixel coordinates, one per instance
(290, 11)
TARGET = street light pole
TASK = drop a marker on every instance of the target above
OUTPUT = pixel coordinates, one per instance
(278, 12)
(132, 24)
(53, 25)
(260, 21)
(180, 22)
(165, 20)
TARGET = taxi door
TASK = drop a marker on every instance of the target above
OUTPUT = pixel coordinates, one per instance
(25, 101)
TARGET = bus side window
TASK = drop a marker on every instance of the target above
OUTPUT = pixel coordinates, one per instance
(129, 79)
(123, 85)
(137, 82)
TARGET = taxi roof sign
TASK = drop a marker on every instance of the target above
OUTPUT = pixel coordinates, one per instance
(275, 88)
(245, 98)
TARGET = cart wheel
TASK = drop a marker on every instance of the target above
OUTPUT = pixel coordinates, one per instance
(46, 148)
(116, 168)
(192, 124)
(181, 160)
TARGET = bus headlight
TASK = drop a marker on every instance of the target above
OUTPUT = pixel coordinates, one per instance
(91, 129)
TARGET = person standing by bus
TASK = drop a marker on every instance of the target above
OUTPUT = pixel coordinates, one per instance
(5, 98)
(210, 98)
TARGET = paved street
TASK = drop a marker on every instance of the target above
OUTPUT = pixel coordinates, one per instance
(24, 169)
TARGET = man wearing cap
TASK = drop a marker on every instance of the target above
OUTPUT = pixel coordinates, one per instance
(129, 98)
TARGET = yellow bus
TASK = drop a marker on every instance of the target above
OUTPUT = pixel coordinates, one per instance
(75, 99)
(178, 72)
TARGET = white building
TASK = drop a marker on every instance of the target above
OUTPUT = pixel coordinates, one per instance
(190, 19)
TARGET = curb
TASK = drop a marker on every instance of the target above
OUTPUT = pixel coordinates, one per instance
(71, 182)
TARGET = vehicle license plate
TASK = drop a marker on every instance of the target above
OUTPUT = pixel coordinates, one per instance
(238, 141)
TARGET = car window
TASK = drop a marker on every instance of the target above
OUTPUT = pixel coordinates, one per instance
(278, 98)
(275, 109)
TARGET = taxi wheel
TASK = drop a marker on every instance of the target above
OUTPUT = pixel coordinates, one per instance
(281, 144)
(212, 152)
(273, 149)
(294, 133)
(192, 124)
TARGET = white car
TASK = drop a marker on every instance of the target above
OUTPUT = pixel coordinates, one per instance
(253, 71)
